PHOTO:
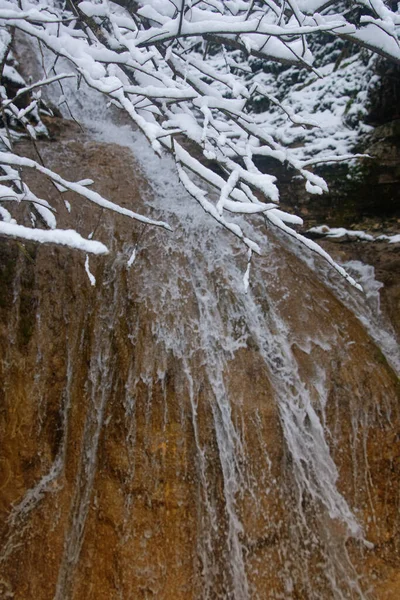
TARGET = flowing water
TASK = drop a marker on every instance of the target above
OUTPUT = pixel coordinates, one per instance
(171, 436)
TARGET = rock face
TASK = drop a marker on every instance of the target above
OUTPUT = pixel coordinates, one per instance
(364, 196)
(164, 435)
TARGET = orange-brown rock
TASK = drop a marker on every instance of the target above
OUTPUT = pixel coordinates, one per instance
(144, 455)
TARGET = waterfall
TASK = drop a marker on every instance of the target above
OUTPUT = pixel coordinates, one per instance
(175, 437)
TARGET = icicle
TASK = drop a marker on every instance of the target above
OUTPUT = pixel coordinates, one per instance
(132, 258)
(92, 278)
(246, 276)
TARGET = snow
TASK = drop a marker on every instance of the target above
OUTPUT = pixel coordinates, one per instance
(394, 239)
(339, 232)
(12, 74)
(6, 216)
(374, 37)
(64, 237)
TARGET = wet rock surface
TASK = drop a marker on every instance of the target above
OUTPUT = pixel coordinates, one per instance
(385, 259)
(165, 436)
(363, 196)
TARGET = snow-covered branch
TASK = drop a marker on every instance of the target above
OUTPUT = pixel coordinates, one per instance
(154, 60)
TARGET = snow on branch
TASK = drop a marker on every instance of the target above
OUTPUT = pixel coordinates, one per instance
(11, 159)
(63, 237)
(155, 61)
